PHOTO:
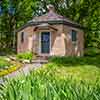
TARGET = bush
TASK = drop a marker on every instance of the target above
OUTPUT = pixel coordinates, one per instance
(92, 52)
(74, 61)
(7, 51)
(65, 60)
(4, 63)
(25, 56)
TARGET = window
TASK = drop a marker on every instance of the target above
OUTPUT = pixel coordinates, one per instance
(74, 36)
(22, 37)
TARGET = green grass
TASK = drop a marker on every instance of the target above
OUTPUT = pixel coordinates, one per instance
(83, 68)
(61, 79)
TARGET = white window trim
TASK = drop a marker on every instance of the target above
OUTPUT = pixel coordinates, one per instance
(40, 44)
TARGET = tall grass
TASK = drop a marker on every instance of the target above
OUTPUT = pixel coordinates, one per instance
(44, 84)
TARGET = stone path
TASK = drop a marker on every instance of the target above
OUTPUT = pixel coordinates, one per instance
(25, 69)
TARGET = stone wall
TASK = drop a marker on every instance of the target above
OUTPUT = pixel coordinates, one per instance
(61, 43)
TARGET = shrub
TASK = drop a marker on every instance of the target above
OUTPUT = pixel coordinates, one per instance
(25, 56)
(65, 60)
(4, 63)
(7, 51)
(92, 52)
(74, 61)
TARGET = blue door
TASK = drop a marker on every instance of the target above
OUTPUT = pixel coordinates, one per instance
(45, 42)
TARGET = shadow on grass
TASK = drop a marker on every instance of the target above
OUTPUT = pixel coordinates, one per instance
(74, 61)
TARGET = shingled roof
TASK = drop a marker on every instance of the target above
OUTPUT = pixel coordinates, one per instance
(51, 18)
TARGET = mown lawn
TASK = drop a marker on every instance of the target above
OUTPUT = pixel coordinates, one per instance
(84, 68)
(61, 79)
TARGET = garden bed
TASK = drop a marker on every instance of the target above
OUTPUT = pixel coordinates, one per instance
(4, 63)
(7, 66)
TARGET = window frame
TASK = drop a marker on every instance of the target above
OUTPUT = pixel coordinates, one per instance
(22, 37)
(74, 36)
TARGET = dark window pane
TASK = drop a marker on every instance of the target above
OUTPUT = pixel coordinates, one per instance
(22, 37)
(74, 35)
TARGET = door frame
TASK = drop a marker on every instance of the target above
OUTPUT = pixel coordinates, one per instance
(40, 53)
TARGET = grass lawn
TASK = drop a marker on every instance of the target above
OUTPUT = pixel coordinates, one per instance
(86, 69)
(61, 79)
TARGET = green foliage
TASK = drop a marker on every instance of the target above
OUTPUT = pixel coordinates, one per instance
(4, 63)
(25, 56)
(10, 23)
(76, 60)
(85, 12)
(92, 52)
(13, 67)
(51, 82)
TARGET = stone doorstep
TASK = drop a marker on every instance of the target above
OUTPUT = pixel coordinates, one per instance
(39, 61)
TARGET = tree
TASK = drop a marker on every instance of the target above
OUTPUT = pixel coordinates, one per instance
(85, 12)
